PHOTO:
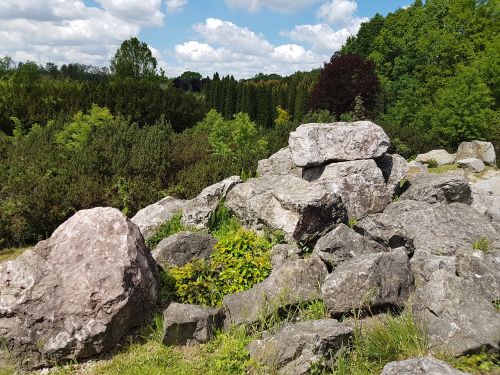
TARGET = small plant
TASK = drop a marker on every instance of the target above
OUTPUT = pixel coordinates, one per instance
(496, 304)
(168, 228)
(478, 363)
(482, 244)
(432, 163)
(222, 222)
(352, 223)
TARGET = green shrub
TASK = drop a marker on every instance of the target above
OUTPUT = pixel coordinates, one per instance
(240, 260)
(221, 222)
(479, 363)
(432, 163)
(481, 244)
(168, 228)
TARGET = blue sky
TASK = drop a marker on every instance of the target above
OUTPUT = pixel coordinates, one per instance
(239, 37)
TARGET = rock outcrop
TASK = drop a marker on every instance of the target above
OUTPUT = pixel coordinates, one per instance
(296, 347)
(486, 196)
(182, 248)
(151, 217)
(293, 282)
(185, 324)
(280, 163)
(79, 292)
(471, 164)
(483, 151)
(420, 366)
(442, 157)
(316, 144)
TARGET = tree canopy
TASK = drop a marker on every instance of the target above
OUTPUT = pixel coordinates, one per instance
(133, 59)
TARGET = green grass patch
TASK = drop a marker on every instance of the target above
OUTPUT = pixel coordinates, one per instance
(165, 230)
(444, 168)
(480, 363)
(9, 254)
(482, 244)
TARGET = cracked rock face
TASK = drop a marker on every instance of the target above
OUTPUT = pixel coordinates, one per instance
(420, 366)
(280, 163)
(316, 144)
(79, 292)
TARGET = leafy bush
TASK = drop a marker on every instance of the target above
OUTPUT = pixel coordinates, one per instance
(168, 228)
(240, 260)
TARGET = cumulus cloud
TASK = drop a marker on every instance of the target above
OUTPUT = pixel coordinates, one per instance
(337, 11)
(142, 12)
(174, 6)
(284, 6)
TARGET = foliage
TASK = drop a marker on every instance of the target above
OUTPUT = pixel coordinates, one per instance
(319, 115)
(222, 224)
(282, 117)
(478, 363)
(240, 260)
(133, 59)
(170, 227)
(432, 163)
(352, 223)
(8, 254)
(481, 244)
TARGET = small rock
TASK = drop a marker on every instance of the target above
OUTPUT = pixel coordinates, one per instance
(151, 217)
(182, 248)
(471, 164)
(199, 210)
(293, 282)
(442, 157)
(317, 144)
(295, 347)
(420, 366)
(433, 188)
(371, 280)
(483, 151)
(415, 167)
(280, 163)
(185, 324)
(455, 315)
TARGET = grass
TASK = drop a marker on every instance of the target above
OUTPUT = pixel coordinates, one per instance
(482, 244)
(9, 254)
(165, 230)
(479, 364)
(444, 168)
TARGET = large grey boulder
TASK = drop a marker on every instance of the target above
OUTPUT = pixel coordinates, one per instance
(420, 366)
(182, 248)
(303, 211)
(293, 282)
(199, 210)
(442, 157)
(372, 280)
(471, 164)
(79, 292)
(439, 229)
(363, 186)
(486, 196)
(423, 264)
(185, 324)
(278, 164)
(296, 347)
(482, 268)
(483, 151)
(317, 144)
(342, 244)
(151, 217)
(455, 315)
(433, 188)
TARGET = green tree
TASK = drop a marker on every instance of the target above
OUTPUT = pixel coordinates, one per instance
(133, 59)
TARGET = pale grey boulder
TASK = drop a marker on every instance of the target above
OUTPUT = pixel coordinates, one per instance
(420, 366)
(198, 211)
(483, 151)
(439, 229)
(442, 157)
(303, 211)
(182, 248)
(280, 163)
(372, 280)
(317, 144)
(296, 347)
(293, 282)
(151, 217)
(471, 164)
(433, 188)
(342, 244)
(185, 324)
(455, 315)
(486, 196)
(79, 292)
(363, 186)
(482, 268)
(423, 264)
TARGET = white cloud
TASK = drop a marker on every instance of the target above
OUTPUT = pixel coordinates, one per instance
(142, 12)
(284, 6)
(337, 11)
(174, 6)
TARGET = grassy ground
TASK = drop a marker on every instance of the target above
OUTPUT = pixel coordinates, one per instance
(444, 168)
(9, 254)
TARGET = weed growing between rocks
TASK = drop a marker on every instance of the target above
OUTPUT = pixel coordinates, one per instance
(482, 244)
(165, 230)
(483, 363)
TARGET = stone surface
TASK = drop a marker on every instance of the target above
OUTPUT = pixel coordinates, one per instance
(417, 167)
(442, 157)
(423, 264)
(439, 229)
(372, 280)
(295, 347)
(363, 186)
(317, 144)
(420, 366)
(185, 324)
(303, 211)
(471, 164)
(455, 315)
(282, 253)
(433, 188)
(483, 151)
(342, 244)
(198, 211)
(280, 163)
(154, 215)
(293, 282)
(79, 292)
(486, 196)
(182, 248)
(482, 268)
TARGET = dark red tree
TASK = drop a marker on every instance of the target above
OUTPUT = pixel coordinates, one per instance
(341, 80)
